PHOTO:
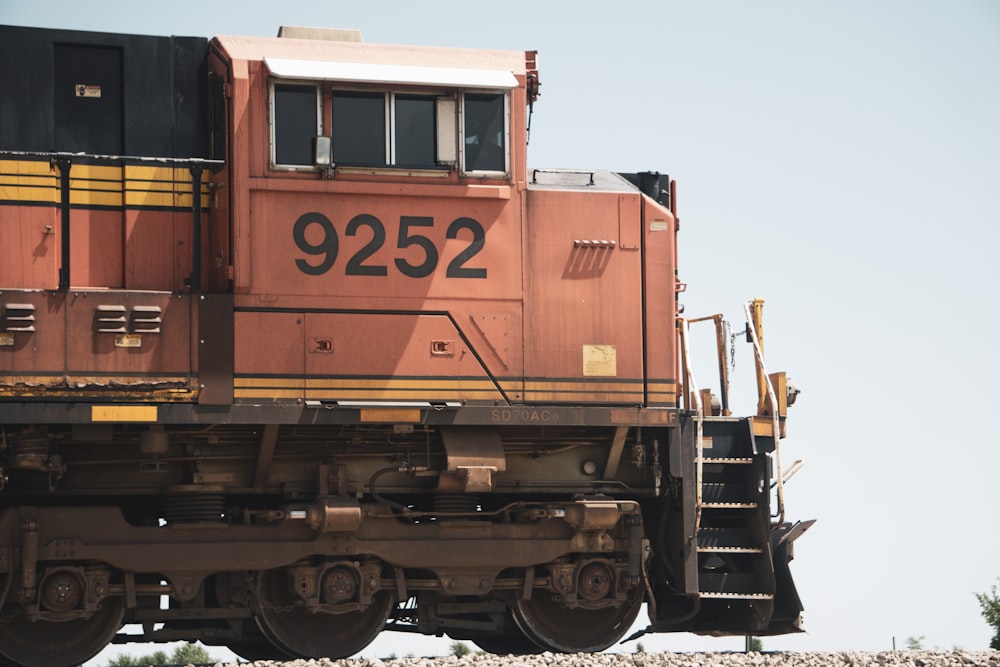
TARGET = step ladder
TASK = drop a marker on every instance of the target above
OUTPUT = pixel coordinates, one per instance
(731, 536)
(733, 543)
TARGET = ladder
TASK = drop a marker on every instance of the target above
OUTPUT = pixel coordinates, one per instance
(730, 542)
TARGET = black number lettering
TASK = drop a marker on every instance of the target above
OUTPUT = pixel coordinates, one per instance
(406, 239)
(328, 246)
(457, 268)
(356, 265)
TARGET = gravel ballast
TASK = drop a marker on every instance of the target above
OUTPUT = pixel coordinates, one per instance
(955, 658)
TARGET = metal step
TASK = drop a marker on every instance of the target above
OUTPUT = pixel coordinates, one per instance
(735, 596)
(728, 461)
(729, 583)
(730, 550)
(724, 536)
(725, 492)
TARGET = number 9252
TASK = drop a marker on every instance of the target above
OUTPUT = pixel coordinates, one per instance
(360, 263)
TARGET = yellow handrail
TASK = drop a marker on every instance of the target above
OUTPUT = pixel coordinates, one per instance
(754, 312)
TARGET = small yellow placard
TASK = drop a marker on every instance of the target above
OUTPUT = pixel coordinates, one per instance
(128, 340)
(6, 339)
(123, 413)
(390, 415)
(600, 360)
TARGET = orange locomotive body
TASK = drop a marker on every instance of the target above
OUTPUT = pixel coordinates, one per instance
(292, 335)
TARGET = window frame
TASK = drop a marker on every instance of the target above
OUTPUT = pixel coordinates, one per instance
(273, 83)
(328, 94)
(484, 173)
(389, 108)
(325, 91)
(392, 139)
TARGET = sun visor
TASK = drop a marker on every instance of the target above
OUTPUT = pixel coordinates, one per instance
(321, 70)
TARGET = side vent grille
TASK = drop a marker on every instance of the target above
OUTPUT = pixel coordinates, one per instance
(146, 319)
(18, 317)
(119, 319)
(111, 319)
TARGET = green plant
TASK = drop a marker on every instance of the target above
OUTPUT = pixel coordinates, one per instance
(190, 654)
(126, 660)
(989, 604)
(185, 654)
(754, 644)
(458, 649)
(915, 643)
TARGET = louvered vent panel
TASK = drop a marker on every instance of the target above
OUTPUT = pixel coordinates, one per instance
(146, 319)
(111, 319)
(19, 317)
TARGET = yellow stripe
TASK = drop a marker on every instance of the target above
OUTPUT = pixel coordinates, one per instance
(411, 395)
(123, 413)
(102, 185)
(589, 397)
(22, 180)
(367, 388)
(84, 198)
(266, 393)
(29, 194)
(577, 386)
(360, 383)
(390, 415)
(348, 383)
(267, 382)
(96, 172)
(39, 167)
(41, 180)
(95, 186)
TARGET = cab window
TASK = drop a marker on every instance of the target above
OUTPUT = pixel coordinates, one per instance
(294, 124)
(415, 130)
(484, 129)
(360, 138)
(359, 128)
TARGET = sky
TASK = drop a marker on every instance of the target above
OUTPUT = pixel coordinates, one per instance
(840, 159)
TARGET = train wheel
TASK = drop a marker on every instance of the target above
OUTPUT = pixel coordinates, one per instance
(299, 632)
(58, 644)
(255, 646)
(557, 628)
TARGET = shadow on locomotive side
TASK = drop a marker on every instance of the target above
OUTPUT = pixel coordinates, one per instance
(294, 337)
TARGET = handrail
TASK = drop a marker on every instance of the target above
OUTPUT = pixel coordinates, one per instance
(776, 424)
(56, 155)
(695, 396)
(720, 344)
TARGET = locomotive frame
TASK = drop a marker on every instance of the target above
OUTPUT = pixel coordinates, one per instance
(293, 337)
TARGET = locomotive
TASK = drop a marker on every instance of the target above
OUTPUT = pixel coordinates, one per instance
(295, 348)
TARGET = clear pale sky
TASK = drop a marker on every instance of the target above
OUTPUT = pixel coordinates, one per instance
(840, 159)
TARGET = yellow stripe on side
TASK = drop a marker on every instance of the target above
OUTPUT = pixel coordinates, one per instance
(35, 167)
(418, 384)
(28, 181)
(333, 389)
(162, 187)
(267, 393)
(390, 415)
(267, 382)
(572, 391)
(123, 413)
(115, 186)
